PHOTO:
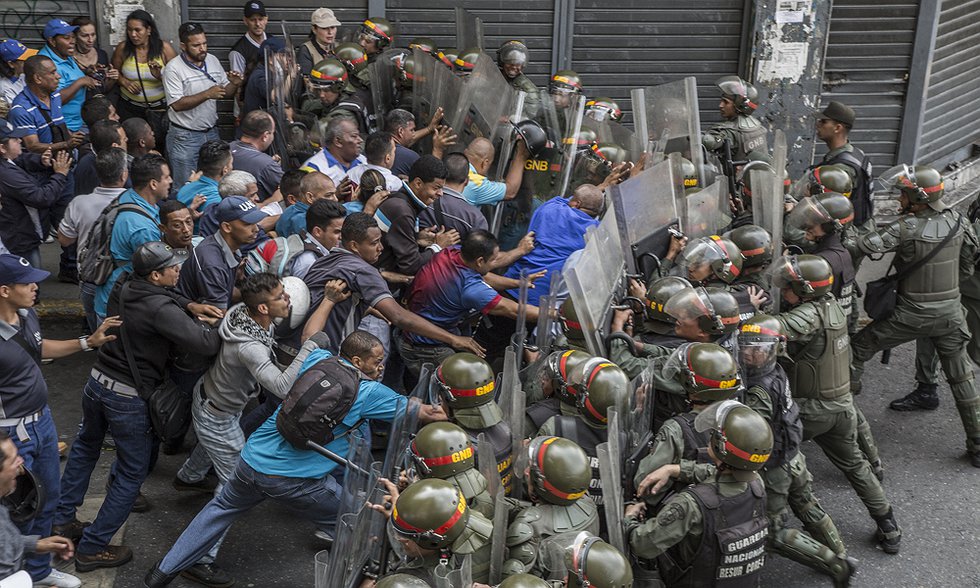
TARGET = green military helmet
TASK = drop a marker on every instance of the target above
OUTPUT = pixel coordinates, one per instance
(570, 324)
(585, 138)
(431, 512)
(329, 74)
(830, 178)
(594, 563)
(441, 450)
(690, 174)
(760, 341)
(424, 44)
(754, 242)
(523, 581)
(659, 293)
(809, 276)
(560, 365)
(711, 257)
(512, 53)
(707, 371)
(603, 108)
(831, 211)
(448, 57)
(740, 437)
(466, 61)
(921, 184)
(598, 384)
(715, 310)
(466, 381)
(378, 30)
(560, 470)
(596, 162)
(352, 56)
(758, 160)
(742, 93)
(401, 581)
(565, 81)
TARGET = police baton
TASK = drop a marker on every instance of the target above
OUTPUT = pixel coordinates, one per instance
(336, 458)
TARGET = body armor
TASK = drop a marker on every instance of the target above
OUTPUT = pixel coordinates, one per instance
(575, 429)
(747, 133)
(538, 522)
(939, 279)
(821, 366)
(831, 249)
(695, 443)
(787, 429)
(733, 545)
(860, 167)
(499, 437)
(539, 413)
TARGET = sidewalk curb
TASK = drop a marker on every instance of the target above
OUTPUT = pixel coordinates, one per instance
(60, 308)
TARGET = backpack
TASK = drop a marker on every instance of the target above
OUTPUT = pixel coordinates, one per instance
(317, 402)
(276, 255)
(95, 262)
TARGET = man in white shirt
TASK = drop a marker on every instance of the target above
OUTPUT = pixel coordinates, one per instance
(342, 150)
(379, 150)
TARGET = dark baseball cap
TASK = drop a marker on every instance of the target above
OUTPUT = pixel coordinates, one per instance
(842, 113)
(272, 45)
(156, 255)
(14, 269)
(240, 208)
(253, 7)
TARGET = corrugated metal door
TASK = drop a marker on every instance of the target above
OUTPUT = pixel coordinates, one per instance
(869, 53)
(951, 126)
(531, 21)
(623, 44)
(25, 21)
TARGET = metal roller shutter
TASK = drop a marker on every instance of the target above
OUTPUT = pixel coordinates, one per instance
(532, 23)
(951, 126)
(623, 44)
(25, 21)
(869, 54)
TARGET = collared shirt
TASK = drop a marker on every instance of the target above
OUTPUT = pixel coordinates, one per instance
(25, 114)
(268, 452)
(10, 87)
(83, 212)
(267, 171)
(482, 190)
(23, 390)
(393, 182)
(405, 158)
(302, 262)
(130, 231)
(293, 220)
(180, 79)
(324, 162)
(208, 275)
(453, 212)
(70, 72)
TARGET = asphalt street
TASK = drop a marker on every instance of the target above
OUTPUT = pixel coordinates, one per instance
(928, 479)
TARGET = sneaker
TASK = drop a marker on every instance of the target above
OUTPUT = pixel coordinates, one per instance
(205, 486)
(208, 575)
(72, 530)
(110, 557)
(324, 538)
(59, 580)
(922, 398)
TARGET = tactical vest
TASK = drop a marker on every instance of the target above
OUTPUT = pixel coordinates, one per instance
(671, 341)
(695, 443)
(749, 135)
(939, 279)
(787, 429)
(539, 413)
(746, 309)
(499, 437)
(860, 165)
(822, 365)
(575, 429)
(733, 541)
(831, 249)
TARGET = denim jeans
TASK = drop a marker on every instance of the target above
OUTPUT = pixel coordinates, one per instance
(182, 150)
(316, 500)
(40, 453)
(87, 294)
(129, 422)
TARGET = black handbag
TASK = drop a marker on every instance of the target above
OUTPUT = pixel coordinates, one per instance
(168, 407)
(881, 295)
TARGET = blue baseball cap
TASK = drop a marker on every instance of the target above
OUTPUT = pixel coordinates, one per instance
(240, 208)
(14, 50)
(8, 130)
(14, 269)
(56, 27)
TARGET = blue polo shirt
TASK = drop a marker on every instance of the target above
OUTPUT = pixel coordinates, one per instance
(293, 220)
(208, 275)
(25, 114)
(130, 231)
(23, 390)
(268, 452)
(69, 71)
(482, 190)
(206, 187)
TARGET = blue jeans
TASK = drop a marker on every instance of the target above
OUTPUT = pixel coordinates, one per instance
(316, 500)
(129, 422)
(182, 150)
(87, 294)
(40, 453)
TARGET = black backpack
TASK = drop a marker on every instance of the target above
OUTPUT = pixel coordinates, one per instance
(95, 262)
(317, 402)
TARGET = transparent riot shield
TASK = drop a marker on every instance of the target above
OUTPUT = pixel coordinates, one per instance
(610, 456)
(706, 212)
(513, 404)
(645, 206)
(548, 328)
(369, 540)
(281, 83)
(337, 569)
(610, 131)
(459, 576)
(357, 480)
(498, 540)
(469, 29)
(638, 425)
(779, 155)
(667, 115)
(596, 279)
(404, 426)
(425, 94)
(385, 73)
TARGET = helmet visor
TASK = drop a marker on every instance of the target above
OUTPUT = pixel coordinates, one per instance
(808, 213)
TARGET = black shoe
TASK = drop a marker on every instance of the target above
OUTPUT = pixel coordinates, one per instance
(157, 579)
(72, 530)
(889, 534)
(924, 397)
(205, 486)
(208, 575)
(141, 504)
(974, 453)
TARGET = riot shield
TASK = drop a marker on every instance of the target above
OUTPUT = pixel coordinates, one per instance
(706, 212)
(610, 456)
(446, 576)
(487, 464)
(779, 155)
(385, 73)
(281, 81)
(498, 540)
(512, 404)
(404, 426)
(610, 131)
(425, 90)
(469, 29)
(668, 115)
(561, 118)
(638, 425)
(548, 328)
(596, 279)
(645, 206)
(368, 542)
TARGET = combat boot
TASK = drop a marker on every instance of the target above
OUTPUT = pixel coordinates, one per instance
(974, 452)
(924, 397)
(889, 534)
(804, 549)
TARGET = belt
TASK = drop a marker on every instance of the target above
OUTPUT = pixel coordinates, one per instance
(114, 385)
(19, 422)
(173, 124)
(156, 104)
(207, 401)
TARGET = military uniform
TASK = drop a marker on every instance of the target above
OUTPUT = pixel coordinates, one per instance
(744, 133)
(532, 99)
(676, 442)
(858, 166)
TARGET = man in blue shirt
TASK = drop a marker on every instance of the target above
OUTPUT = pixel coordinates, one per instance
(482, 190)
(214, 161)
(150, 175)
(314, 186)
(60, 48)
(37, 110)
(305, 480)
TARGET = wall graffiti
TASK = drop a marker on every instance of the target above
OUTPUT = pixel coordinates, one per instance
(25, 19)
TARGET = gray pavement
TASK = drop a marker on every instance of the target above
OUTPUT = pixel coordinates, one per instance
(930, 482)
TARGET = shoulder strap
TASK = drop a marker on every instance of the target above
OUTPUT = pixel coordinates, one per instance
(935, 250)
(126, 347)
(20, 340)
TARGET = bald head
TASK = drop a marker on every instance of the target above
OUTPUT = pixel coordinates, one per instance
(480, 153)
(316, 185)
(588, 198)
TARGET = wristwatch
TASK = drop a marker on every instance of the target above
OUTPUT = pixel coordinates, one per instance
(83, 341)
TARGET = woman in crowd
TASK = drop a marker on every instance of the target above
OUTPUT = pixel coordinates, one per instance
(93, 59)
